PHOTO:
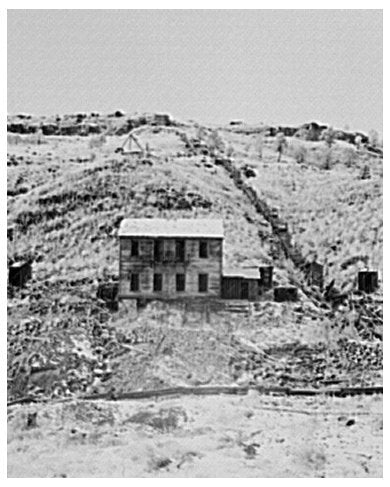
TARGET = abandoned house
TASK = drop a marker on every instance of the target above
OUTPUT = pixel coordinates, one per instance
(171, 259)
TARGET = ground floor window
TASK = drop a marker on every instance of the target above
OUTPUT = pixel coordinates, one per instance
(203, 283)
(180, 282)
(157, 282)
(134, 282)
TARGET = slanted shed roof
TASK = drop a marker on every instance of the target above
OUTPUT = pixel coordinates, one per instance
(245, 273)
(161, 227)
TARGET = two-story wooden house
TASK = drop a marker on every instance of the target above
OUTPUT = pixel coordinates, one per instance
(169, 259)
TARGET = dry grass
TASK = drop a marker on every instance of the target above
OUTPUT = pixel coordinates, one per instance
(333, 214)
(67, 223)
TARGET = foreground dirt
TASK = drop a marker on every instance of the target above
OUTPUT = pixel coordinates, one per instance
(250, 436)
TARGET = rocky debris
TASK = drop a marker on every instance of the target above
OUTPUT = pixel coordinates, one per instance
(354, 260)
(365, 315)
(347, 363)
(251, 450)
(70, 348)
(83, 124)
(164, 420)
(248, 171)
(170, 198)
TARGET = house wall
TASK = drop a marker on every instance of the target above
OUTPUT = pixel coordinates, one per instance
(146, 267)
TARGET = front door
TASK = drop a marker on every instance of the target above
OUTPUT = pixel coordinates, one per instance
(244, 290)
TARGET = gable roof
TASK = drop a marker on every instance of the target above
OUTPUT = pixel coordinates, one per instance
(161, 227)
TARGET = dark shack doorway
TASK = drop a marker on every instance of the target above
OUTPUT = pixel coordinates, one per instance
(244, 290)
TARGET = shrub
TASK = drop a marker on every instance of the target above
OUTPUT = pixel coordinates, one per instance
(299, 153)
(97, 142)
(329, 135)
(280, 144)
(349, 156)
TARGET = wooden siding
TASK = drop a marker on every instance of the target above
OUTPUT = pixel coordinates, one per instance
(193, 265)
(240, 288)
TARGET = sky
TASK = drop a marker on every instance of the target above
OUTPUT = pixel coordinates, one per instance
(270, 66)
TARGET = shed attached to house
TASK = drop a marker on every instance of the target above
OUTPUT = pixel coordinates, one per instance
(241, 284)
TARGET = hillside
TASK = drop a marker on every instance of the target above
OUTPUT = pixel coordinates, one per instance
(66, 197)
(335, 214)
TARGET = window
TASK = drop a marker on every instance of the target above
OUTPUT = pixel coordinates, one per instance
(203, 283)
(180, 282)
(134, 248)
(203, 249)
(157, 282)
(180, 249)
(158, 250)
(134, 282)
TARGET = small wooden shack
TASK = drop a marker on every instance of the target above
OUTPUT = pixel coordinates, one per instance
(368, 281)
(241, 284)
(315, 274)
(266, 276)
(108, 292)
(11, 232)
(19, 273)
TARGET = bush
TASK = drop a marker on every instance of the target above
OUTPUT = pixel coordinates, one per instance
(97, 142)
(349, 156)
(299, 153)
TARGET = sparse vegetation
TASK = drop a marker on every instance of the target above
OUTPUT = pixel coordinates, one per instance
(66, 198)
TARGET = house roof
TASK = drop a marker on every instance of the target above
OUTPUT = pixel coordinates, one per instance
(161, 227)
(246, 273)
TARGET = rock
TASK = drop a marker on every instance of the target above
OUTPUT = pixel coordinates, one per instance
(32, 420)
(350, 422)
(251, 450)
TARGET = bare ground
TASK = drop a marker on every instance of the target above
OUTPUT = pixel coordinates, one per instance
(250, 436)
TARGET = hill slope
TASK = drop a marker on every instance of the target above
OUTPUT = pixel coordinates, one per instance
(67, 196)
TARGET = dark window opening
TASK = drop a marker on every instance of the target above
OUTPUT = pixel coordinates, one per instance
(157, 282)
(203, 249)
(180, 282)
(180, 250)
(158, 250)
(134, 282)
(134, 248)
(203, 283)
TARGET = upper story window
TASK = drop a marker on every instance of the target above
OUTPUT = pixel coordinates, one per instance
(158, 250)
(203, 249)
(134, 248)
(180, 250)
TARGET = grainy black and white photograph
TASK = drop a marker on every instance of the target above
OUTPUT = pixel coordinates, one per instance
(194, 243)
